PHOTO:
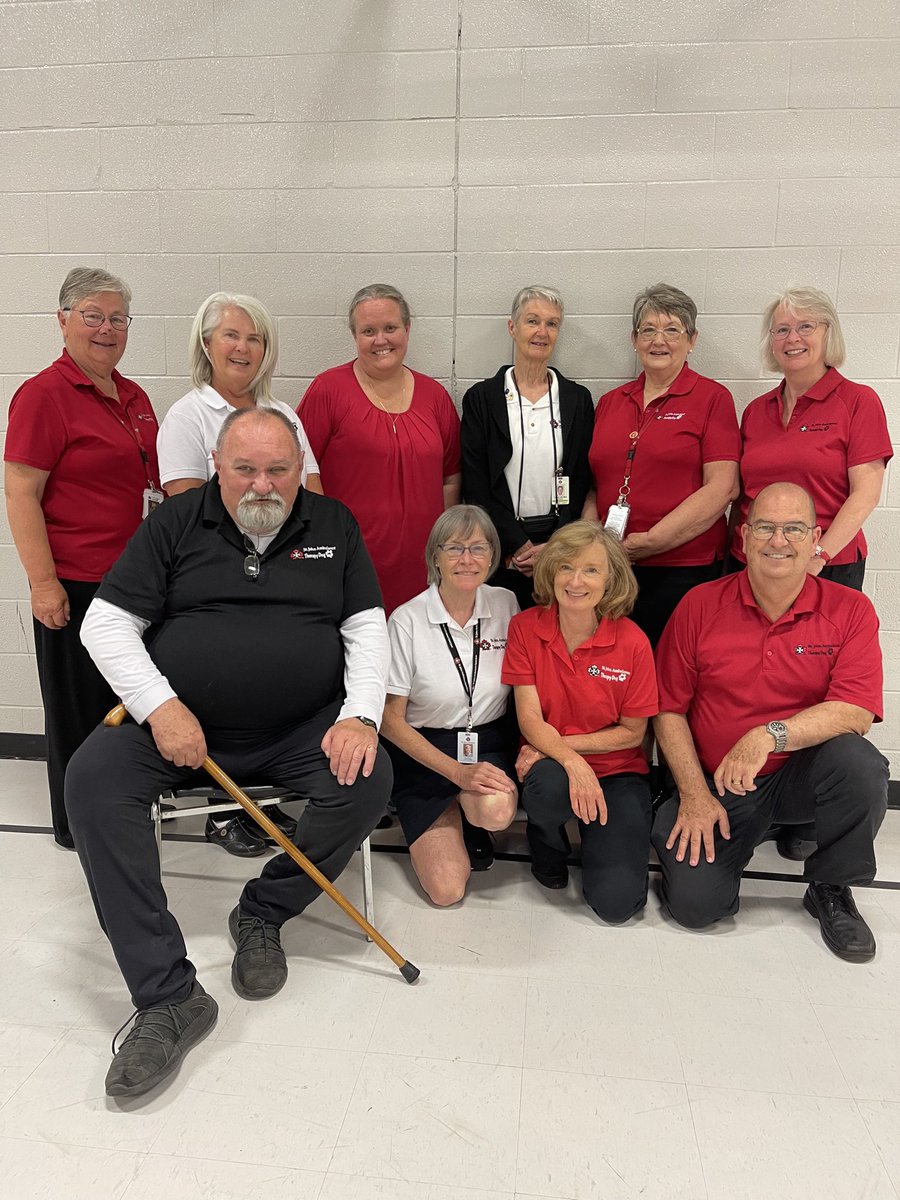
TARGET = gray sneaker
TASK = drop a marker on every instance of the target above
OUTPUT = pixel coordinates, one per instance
(259, 969)
(161, 1037)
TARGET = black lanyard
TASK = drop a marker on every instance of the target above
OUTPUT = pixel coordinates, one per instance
(468, 688)
(554, 425)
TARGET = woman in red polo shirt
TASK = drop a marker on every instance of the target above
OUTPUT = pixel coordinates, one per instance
(816, 429)
(585, 686)
(80, 471)
(665, 460)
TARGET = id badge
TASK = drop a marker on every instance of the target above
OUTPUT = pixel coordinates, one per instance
(467, 748)
(617, 519)
(152, 499)
(562, 489)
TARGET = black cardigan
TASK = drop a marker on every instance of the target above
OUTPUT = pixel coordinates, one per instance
(487, 448)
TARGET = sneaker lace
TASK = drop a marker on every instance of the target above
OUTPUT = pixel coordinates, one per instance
(257, 934)
(158, 1024)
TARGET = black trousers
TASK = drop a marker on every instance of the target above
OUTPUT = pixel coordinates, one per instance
(841, 785)
(613, 856)
(75, 694)
(660, 589)
(111, 782)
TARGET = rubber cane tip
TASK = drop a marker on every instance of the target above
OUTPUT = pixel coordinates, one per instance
(410, 972)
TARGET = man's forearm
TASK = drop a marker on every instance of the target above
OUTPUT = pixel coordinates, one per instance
(367, 657)
(677, 745)
(813, 726)
(114, 640)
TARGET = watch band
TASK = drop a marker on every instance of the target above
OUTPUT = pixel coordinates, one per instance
(821, 552)
(368, 721)
(779, 732)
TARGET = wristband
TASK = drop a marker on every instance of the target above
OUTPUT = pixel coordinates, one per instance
(822, 553)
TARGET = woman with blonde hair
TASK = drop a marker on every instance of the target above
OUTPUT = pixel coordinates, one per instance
(816, 429)
(585, 686)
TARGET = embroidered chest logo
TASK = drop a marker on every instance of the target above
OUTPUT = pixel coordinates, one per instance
(295, 554)
(821, 649)
(817, 426)
(313, 552)
(672, 416)
(493, 643)
(799, 649)
(610, 674)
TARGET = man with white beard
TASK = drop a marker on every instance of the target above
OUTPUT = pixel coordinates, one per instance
(243, 616)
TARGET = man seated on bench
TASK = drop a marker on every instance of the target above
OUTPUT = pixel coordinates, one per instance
(768, 681)
(245, 616)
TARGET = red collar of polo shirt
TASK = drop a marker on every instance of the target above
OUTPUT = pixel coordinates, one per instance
(806, 601)
(683, 383)
(547, 629)
(820, 390)
(72, 373)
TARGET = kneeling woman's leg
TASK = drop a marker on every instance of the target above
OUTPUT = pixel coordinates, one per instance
(440, 860)
(614, 855)
(493, 812)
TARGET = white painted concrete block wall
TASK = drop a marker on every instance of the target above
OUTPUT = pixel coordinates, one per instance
(298, 150)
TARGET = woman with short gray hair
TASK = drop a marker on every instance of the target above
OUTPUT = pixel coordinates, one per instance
(525, 439)
(81, 471)
(445, 716)
(664, 460)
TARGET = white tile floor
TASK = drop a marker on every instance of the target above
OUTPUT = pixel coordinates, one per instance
(541, 1055)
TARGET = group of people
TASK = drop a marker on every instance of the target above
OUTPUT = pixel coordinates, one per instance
(247, 616)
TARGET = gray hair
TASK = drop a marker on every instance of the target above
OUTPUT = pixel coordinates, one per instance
(206, 322)
(82, 282)
(806, 300)
(378, 291)
(460, 520)
(535, 291)
(260, 414)
(664, 298)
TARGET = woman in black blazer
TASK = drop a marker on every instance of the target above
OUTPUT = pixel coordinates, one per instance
(525, 439)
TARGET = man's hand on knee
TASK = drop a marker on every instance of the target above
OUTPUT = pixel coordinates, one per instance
(737, 771)
(350, 745)
(177, 734)
(698, 815)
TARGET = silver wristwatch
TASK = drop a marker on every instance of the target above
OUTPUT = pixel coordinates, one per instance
(779, 732)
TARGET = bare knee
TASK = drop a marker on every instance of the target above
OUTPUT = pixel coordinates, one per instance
(493, 812)
(447, 889)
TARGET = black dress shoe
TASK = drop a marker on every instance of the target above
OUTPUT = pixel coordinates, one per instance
(479, 846)
(844, 931)
(282, 820)
(234, 837)
(790, 846)
(549, 876)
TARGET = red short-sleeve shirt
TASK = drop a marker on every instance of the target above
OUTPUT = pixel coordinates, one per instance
(608, 677)
(836, 425)
(727, 667)
(92, 447)
(694, 423)
(391, 479)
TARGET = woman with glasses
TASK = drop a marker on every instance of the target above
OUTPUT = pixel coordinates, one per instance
(445, 716)
(664, 459)
(816, 429)
(585, 687)
(387, 441)
(525, 439)
(81, 471)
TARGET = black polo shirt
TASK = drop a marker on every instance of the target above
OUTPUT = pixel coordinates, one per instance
(244, 654)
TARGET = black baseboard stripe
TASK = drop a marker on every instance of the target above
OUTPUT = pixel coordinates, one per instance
(501, 856)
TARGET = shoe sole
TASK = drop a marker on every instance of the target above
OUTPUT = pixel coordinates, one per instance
(853, 956)
(197, 1031)
(235, 980)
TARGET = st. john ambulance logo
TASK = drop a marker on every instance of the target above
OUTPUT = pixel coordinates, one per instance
(799, 649)
(593, 670)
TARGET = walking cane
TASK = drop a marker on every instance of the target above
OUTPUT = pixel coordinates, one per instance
(409, 972)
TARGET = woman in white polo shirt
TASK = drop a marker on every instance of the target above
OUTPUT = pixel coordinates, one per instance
(233, 351)
(445, 719)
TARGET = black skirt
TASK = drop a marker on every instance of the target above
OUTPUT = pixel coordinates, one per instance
(420, 795)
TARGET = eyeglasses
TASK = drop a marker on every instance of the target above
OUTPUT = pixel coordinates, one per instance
(95, 320)
(251, 562)
(794, 531)
(457, 550)
(805, 329)
(671, 333)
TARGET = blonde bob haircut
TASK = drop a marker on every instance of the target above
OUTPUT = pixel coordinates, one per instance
(209, 318)
(818, 305)
(460, 521)
(567, 543)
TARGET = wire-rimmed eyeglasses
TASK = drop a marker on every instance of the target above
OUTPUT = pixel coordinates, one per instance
(251, 561)
(96, 320)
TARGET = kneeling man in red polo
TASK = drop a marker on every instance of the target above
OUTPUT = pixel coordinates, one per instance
(768, 682)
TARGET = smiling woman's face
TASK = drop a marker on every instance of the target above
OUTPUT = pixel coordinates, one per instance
(535, 330)
(662, 344)
(235, 351)
(796, 353)
(581, 580)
